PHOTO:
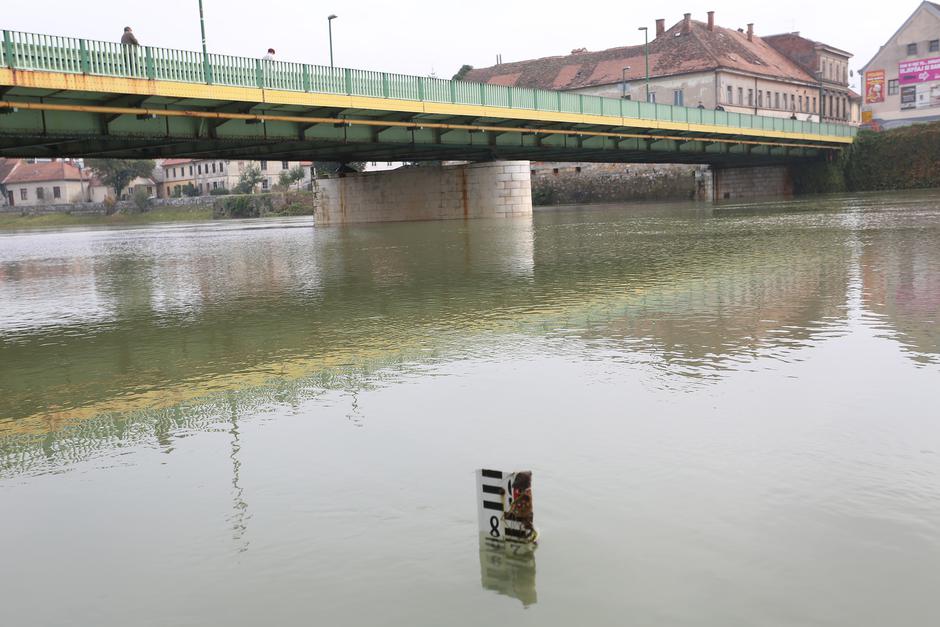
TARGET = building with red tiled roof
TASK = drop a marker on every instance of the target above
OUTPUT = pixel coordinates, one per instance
(29, 183)
(692, 63)
(829, 65)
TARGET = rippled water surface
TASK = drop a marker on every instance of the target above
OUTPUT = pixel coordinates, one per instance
(732, 416)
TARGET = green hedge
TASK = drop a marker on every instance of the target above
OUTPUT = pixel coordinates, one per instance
(901, 158)
(261, 205)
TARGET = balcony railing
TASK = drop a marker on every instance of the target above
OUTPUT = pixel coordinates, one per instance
(27, 51)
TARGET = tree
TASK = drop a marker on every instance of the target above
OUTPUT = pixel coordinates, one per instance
(289, 177)
(141, 199)
(118, 173)
(463, 71)
(249, 180)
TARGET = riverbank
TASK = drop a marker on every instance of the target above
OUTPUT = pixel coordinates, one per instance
(275, 204)
(9, 221)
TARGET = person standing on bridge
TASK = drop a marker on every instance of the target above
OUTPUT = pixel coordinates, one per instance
(270, 55)
(128, 38)
(130, 45)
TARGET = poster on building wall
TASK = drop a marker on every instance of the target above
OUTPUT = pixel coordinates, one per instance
(908, 97)
(874, 86)
(919, 71)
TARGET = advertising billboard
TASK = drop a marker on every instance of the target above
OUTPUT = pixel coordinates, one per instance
(874, 86)
(919, 71)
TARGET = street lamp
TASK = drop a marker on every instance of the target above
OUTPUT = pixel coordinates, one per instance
(625, 81)
(205, 55)
(822, 95)
(646, 46)
(329, 22)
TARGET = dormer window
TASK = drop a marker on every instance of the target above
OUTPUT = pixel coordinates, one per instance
(911, 49)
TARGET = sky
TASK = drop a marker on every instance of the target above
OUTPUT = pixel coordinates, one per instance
(436, 37)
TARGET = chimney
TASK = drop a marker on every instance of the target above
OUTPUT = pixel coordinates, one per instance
(660, 27)
(750, 32)
(686, 23)
(711, 20)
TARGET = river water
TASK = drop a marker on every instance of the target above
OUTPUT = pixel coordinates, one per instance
(731, 416)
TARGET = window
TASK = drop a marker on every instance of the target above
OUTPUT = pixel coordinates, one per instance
(730, 99)
(893, 87)
(264, 166)
(213, 167)
(776, 100)
(933, 45)
(57, 192)
(801, 102)
(264, 183)
(220, 166)
(760, 97)
(577, 169)
(40, 193)
(814, 104)
(215, 185)
(554, 170)
(677, 98)
(750, 97)
(911, 49)
(199, 169)
(653, 97)
(740, 95)
(285, 165)
(22, 194)
(190, 170)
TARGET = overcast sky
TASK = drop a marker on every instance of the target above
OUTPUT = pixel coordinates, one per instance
(425, 36)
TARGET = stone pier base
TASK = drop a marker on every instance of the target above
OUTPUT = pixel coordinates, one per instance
(477, 190)
(754, 182)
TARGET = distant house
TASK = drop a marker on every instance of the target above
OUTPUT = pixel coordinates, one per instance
(99, 192)
(694, 64)
(28, 184)
(206, 175)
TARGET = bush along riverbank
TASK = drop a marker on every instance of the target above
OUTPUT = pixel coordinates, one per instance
(163, 210)
(264, 205)
(901, 158)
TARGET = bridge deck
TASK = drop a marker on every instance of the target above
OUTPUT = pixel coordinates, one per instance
(62, 96)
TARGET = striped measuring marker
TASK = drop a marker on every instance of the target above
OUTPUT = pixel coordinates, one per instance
(494, 498)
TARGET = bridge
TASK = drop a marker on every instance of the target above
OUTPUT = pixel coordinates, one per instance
(63, 96)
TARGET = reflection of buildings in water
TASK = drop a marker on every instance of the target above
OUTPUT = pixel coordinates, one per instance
(701, 294)
(901, 283)
(508, 568)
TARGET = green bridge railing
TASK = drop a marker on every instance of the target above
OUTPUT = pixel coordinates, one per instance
(28, 51)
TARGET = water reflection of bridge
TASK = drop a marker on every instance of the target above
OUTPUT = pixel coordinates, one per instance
(168, 341)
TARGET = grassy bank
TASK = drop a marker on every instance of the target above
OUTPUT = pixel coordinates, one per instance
(154, 216)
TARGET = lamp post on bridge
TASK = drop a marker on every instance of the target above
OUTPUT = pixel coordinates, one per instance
(646, 48)
(329, 21)
(205, 54)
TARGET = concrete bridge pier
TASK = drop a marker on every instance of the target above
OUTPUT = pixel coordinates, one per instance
(737, 183)
(476, 190)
